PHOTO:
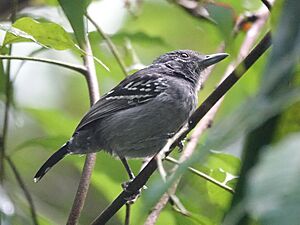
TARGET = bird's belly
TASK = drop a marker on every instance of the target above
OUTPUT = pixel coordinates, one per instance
(137, 132)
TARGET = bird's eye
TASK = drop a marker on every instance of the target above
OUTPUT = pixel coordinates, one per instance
(184, 55)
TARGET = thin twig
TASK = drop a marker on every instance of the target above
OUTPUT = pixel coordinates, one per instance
(212, 99)
(77, 68)
(24, 189)
(33, 53)
(203, 175)
(110, 44)
(90, 160)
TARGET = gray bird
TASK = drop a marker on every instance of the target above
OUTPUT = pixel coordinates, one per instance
(137, 117)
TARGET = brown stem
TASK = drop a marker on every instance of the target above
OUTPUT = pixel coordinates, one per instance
(90, 160)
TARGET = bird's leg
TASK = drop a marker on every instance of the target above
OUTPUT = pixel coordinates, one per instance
(127, 167)
(180, 145)
(133, 196)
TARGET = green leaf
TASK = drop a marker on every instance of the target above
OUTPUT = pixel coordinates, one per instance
(218, 195)
(51, 2)
(224, 17)
(273, 193)
(225, 161)
(289, 122)
(74, 10)
(47, 34)
(15, 35)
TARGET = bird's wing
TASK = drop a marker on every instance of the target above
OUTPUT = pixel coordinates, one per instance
(135, 90)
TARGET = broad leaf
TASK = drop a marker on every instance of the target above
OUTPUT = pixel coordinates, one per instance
(47, 34)
(227, 162)
(218, 195)
(273, 193)
(74, 10)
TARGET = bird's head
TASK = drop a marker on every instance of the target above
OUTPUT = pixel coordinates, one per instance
(188, 64)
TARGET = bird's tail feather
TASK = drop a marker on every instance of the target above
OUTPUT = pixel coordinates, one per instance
(55, 158)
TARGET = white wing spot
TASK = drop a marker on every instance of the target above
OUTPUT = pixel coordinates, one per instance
(128, 85)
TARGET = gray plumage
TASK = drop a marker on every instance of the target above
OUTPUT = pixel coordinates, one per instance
(138, 116)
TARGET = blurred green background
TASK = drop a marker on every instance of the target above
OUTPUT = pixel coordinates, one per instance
(48, 102)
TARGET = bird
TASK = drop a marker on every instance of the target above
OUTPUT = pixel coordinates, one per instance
(138, 116)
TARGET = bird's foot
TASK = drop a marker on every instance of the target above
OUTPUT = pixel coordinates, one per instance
(181, 145)
(132, 196)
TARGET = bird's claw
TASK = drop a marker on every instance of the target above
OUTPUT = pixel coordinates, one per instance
(132, 197)
(180, 145)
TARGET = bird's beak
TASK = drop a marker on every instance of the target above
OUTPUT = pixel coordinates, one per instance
(213, 59)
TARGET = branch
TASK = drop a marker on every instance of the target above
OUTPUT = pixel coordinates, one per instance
(24, 189)
(70, 66)
(203, 175)
(110, 44)
(219, 92)
(90, 160)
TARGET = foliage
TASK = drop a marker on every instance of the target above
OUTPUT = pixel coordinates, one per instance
(269, 193)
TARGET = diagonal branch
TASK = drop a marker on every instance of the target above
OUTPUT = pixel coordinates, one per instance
(212, 99)
(203, 175)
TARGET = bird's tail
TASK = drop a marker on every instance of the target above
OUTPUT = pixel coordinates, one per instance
(55, 158)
